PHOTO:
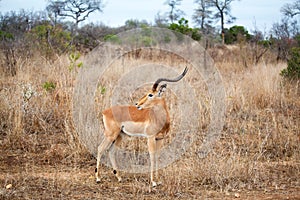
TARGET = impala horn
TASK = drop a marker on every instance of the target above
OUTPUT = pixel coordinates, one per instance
(154, 87)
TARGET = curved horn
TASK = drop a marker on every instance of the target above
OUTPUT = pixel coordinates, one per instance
(169, 80)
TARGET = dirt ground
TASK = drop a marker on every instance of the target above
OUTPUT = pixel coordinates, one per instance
(34, 176)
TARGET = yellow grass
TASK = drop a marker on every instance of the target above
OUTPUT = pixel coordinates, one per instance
(257, 155)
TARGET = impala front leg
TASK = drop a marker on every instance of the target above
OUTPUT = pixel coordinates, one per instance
(152, 152)
(113, 158)
(159, 144)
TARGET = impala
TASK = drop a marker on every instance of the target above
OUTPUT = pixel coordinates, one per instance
(148, 118)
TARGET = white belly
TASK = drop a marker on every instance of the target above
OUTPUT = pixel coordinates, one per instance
(135, 129)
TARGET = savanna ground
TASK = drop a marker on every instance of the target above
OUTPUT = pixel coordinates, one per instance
(257, 156)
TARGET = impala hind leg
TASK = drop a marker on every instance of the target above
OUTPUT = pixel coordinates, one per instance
(112, 156)
(105, 144)
(159, 145)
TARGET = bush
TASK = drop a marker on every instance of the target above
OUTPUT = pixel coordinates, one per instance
(184, 28)
(50, 40)
(49, 86)
(236, 34)
(293, 69)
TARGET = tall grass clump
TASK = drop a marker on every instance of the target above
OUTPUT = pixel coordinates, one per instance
(36, 107)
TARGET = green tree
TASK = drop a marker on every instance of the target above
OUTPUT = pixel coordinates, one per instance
(288, 36)
(49, 40)
(293, 69)
(236, 34)
(134, 23)
(13, 27)
(223, 13)
(183, 27)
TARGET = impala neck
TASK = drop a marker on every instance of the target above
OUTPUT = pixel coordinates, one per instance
(159, 112)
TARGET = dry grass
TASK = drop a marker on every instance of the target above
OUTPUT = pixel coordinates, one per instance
(257, 155)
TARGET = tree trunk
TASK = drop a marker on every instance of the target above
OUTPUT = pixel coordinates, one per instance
(202, 23)
(171, 15)
(222, 27)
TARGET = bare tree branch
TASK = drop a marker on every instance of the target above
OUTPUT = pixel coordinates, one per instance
(291, 9)
(78, 10)
(203, 14)
(223, 10)
(174, 13)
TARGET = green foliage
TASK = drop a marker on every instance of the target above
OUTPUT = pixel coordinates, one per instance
(265, 43)
(293, 69)
(41, 31)
(167, 39)
(134, 23)
(297, 38)
(112, 38)
(6, 36)
(184, 28)
(49, 40)
(73, 58)
(146, 36)
(146, 30)
(236, 34)
(101, 89)
(49, 86)
(147, 41)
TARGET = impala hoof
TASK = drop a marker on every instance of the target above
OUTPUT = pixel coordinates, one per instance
(155, 184)
(98, 181)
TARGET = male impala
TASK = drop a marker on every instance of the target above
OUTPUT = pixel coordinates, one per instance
(148, 118)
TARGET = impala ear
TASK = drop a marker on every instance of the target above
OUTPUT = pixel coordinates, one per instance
(162, 89)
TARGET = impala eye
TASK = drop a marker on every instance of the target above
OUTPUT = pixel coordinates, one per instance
(150, 95)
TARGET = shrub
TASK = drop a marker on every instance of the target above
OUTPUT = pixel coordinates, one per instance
(50, 40)
(236, 34)
(293, 69)
(49, 86)
(74, 61)
(184, 28)
(112, 38)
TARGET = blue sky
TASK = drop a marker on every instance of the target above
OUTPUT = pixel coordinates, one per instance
(250, 13)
